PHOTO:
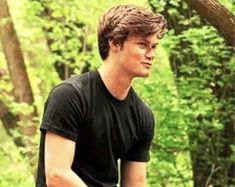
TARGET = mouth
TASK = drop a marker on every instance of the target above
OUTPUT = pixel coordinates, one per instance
(147, 64)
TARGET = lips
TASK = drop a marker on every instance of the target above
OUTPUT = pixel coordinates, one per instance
(147, 64)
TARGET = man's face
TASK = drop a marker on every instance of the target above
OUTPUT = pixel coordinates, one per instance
(136, 55)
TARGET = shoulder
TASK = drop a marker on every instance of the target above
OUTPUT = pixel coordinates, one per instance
(74, 90)
(143, 114)
(143, 108)
(81, 81)
(72, 86)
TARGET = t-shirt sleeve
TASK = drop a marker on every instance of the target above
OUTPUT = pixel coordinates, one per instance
(140, 150)
(63, 112)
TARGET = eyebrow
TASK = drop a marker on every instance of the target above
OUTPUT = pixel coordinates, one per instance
(142, 39)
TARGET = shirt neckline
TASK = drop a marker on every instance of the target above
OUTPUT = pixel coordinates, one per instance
(107, 92)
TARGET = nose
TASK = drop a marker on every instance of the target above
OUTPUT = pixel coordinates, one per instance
(150, 54)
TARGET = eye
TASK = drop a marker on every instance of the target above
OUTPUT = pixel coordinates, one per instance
(142, 45)
(154, 47)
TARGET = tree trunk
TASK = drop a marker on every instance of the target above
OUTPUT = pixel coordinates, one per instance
(14, 57)
(22, 91)
(218, 16)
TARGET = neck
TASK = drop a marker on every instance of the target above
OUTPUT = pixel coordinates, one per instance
(117, 82)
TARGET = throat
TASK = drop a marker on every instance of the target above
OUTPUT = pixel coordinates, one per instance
(116, 84)
(119, 93)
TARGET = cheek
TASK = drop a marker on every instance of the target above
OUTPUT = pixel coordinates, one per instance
(137, 53)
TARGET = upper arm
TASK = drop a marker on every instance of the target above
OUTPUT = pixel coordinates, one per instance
(59, 152)
(63, 112)
(59, 155)
(133, 174)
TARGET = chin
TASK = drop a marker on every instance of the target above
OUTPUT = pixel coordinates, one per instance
(143, 74)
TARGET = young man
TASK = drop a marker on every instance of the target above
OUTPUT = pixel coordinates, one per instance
(95, 119)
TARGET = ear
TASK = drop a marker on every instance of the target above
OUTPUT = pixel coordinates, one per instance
(114, 47)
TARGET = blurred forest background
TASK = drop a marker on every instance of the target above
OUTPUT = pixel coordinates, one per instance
(191, 89)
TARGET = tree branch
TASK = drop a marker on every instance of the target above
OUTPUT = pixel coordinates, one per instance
(218, 16)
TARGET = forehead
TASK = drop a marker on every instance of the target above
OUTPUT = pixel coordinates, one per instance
(150, 38)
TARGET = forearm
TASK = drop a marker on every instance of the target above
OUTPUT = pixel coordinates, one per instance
(66, 178)
(133, 174)
(129, 180)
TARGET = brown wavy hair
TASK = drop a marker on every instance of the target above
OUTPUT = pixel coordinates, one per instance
(122, 21)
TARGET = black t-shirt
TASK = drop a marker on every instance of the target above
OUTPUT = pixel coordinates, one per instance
(104, 128)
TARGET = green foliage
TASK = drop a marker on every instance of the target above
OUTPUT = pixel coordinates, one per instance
(229, 4)
(14, 170)
(189, 98)
(204, 77)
